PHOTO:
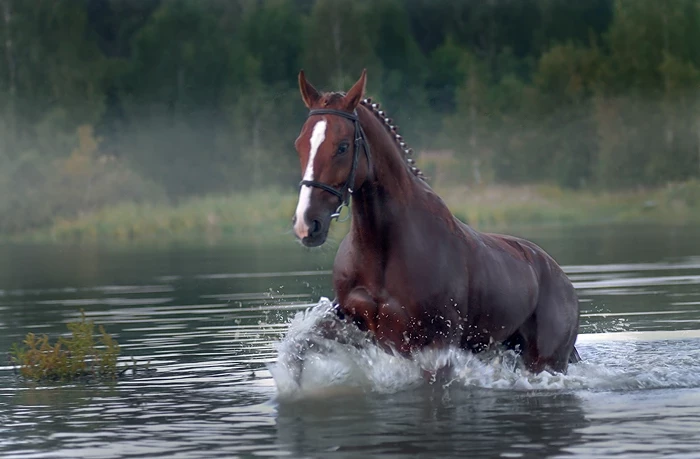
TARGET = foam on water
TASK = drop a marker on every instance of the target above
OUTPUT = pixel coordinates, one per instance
(313, 362)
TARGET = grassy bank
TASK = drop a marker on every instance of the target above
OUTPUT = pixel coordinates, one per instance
(265, 216)
(503, 207)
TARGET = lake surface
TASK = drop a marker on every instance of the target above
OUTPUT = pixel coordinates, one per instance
(214, 320)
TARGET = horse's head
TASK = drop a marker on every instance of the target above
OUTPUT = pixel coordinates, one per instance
(329, 148)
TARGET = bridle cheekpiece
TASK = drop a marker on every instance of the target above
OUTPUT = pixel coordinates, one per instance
(360, 142)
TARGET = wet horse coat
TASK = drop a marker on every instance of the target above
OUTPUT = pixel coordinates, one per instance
(409, 271)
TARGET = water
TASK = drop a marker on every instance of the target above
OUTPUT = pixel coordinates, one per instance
(214, 321)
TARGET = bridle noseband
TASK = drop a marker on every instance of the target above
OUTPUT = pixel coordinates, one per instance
(360, 142)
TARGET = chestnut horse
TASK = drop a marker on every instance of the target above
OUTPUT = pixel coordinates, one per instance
(410, 272)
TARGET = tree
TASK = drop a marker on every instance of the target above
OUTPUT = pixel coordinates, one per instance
(339, 43)
(681, 109)
(400, 84)
(272, 32)
(649, 58)
(184, 67)
(566, 79)
(56, 82)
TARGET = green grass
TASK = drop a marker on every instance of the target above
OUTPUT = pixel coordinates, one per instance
(246, 217)
(502, 207)
(265, 216)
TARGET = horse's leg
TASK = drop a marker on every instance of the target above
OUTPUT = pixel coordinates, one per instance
(361, 308)
(574, 357)
(515, 342)
(386, 320)
(551, 332)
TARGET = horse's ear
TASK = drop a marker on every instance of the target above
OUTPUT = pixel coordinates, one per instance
(356, 93)
(309, 94)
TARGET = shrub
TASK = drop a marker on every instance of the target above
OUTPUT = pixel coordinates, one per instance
(80, 356)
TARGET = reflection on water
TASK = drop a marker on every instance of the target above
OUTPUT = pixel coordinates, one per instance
(208, 319)
(434, 422)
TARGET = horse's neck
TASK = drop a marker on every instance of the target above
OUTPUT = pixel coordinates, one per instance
(389, 167)
(390, 188)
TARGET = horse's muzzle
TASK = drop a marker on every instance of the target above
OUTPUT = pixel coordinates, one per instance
(317, 234)
(314, 241)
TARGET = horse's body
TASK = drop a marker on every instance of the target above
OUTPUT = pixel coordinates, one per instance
(409, 271)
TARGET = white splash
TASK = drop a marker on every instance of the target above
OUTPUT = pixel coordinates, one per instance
(315, 363)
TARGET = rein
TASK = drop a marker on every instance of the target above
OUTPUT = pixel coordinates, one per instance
(360, 142)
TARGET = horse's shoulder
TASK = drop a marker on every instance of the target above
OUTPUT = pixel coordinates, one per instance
(343, 257)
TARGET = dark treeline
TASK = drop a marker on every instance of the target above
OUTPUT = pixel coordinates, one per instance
(110, 100)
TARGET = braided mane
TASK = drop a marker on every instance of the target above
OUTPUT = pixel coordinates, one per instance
(393, 131)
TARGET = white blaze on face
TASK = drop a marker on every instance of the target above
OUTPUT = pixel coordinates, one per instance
(318, 135)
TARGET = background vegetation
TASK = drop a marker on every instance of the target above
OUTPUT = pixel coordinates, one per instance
(144, 103)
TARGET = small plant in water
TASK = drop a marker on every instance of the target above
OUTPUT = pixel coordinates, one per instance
(80, 356)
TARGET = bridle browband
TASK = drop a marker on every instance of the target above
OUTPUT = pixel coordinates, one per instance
(360, 142)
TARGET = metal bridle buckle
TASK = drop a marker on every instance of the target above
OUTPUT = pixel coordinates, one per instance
(338, 211)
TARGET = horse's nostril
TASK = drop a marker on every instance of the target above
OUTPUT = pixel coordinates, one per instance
(294, 220)
(315, 227)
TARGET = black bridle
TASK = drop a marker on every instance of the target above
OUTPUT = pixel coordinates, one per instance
(360, 142)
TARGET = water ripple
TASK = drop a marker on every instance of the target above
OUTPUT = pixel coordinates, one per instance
(217, 343)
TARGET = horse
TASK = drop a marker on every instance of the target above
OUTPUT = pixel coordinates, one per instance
(409, 273)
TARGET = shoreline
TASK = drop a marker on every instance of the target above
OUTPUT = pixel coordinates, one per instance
(265, 216)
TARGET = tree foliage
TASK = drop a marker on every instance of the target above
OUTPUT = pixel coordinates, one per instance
(200, 97)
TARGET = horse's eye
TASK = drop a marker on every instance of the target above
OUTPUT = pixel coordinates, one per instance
(342, 148)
